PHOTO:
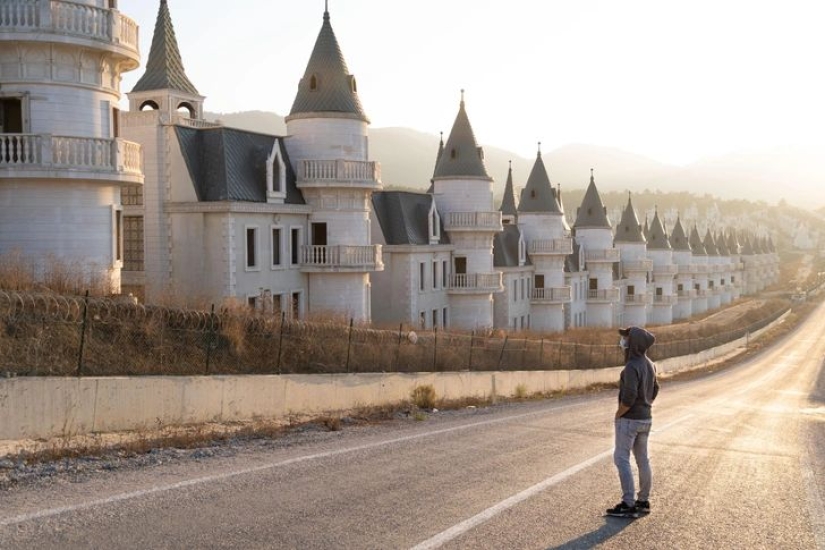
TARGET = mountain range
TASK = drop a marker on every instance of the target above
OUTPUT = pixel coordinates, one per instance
(407, 160)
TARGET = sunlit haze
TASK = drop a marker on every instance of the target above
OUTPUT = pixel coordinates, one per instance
(675, 82)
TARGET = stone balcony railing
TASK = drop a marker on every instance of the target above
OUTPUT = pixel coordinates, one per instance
(604, 295)
(69, 18)
(39, 155)
(182, 120)
(665, 299)
(475, 283)
(346, 173)
(611, 255)
(551, 246)
(686, 294)
(686, 268)
(556, 295)
(337, 258)
(637, 299)
(637, 265)
(665, 269)
(473, 221)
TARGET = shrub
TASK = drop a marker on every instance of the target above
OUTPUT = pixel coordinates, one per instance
(423, 397)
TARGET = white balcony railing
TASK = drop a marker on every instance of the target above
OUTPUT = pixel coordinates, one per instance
(665, 299)
(603, 295)
(637, 299)
(606, 255)
(44, 151)
(352, 257)
(551, 246)
(686, 294)
(347, 171)
(69, 18)
(469, 221)
(476, 282)
(686, 268)
(638, 265)
(557, 295)
(665, 269)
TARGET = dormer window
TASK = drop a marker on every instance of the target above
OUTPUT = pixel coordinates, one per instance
(522, 251)
(275, 175)
(532, 193)
(313, 83)
(453, 153)
(353, 86)
(434, 224)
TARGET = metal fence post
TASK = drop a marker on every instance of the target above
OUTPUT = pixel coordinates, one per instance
(210, 337)
(501, 355)
(349, 341)
(398, 351)
(435, 348)
(472, 340)
(82, 335)
(281, 341)
(541, 354)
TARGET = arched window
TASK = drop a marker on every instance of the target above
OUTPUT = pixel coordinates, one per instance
(313, 83)
(453, 153)
(149, 106)
(353, 86)
(186, 109)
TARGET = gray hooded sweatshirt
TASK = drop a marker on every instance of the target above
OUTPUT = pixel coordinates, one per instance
(638, 386)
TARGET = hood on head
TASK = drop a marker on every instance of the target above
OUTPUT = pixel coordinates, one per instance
(638, 340)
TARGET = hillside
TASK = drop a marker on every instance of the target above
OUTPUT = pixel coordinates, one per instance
(408, 159)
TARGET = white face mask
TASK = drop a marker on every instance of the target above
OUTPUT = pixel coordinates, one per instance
(623, 342)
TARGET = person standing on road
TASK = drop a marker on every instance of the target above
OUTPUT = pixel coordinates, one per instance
(638, 387)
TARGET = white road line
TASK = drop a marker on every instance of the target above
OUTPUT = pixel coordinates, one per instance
(49, 512)
(460, 528)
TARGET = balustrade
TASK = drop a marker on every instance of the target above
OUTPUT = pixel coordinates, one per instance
(606, 255)
(366, 257)
(488, 282)
(603, 295)
(551, 246)
(43, 151)
(554, 295)
(473, 220)
(339, 170)
(638, 265)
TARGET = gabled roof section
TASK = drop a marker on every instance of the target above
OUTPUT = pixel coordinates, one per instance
(678, 238)
(403, 217)
(505, 247)
(629, 229)
(327, 85)
(592, 212)
(710, 244)
(656, 235)
(538, 195)
(462, 157)
(508, 202)
(721, 245)
(227, 164)
(164, 68)
(733, 243)
(696, 244)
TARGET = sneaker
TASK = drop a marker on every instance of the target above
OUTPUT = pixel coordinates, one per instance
(622, 509)
(643, 506)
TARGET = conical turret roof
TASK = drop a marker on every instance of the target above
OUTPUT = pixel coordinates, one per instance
(327, 85)
(462, 157)
(678, 237)
(733, 243)
(656, 236)
(592, 212)
(696, 244)
(721, 245)
(164, 68)
(747, 247)
(508, 203)
(710, 244)
(629, 229)
(538, 194)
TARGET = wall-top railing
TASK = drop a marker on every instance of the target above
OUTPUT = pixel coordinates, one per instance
(195, 122)
(551, 246)
(69, 18)
(47, 151)
(337, 256)
(473, 220)
(638, 265)
(603, 295)
(605, 255)
(562, 294)
(339, 170)
(476, 281)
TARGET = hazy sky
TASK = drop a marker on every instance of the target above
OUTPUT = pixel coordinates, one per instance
(672, 80)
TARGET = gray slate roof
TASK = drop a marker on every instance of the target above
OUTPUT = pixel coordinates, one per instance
(538, 195)
(696, 244)
(403, 217)
(505, 247)
(656, 235)
(592, 212)
(710, 244)
(164, 68)
(629, 229)
(227, 164)
(508, 202)
(678, 238)
(733, 243)
(721, 245)
(462, 157)
(327, 85)
(747, 247)
(571, 261)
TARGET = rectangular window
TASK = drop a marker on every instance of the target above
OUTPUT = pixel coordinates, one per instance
(295, 245)
(131, 195)
(539, 281)
(631, 290)
(435, 318)
(118, 235)
(252, 302)
(594, 284)
(251, 247)
(133, 243)
(444, 318)
(680, 287)
(276, 247)
(435, 275)
(515, 291)
(659, 291)
(296, 306)
(422, 275)
(444, 274)
(523, 289)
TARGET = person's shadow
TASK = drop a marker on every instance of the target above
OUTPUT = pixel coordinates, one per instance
(612, 527)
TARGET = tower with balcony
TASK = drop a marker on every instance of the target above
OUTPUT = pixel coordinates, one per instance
(593, 234)
(736, 266)
(723, 268)
(328, 147)
(660, 252)
(699, 261)
(634, 267)
(541, 220)
(62, 161)
(685, 270)
(463, 191)
(714, 268)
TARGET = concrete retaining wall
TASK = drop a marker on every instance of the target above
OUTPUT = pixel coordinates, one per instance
(43, 408)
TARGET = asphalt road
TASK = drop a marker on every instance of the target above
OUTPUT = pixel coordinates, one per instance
(738, 458)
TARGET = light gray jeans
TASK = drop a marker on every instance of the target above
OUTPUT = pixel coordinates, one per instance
(631, 435)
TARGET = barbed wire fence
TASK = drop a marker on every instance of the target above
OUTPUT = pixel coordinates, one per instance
(53, 335)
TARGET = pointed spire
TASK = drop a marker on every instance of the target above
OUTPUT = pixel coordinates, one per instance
(678, 237)
(508, 203)
(462, 156)
(327, 85)
(657, 237)
(696, 244)
(629, 229)
(710, 244)
(538, 195)
(592, 212)
(164, 68)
